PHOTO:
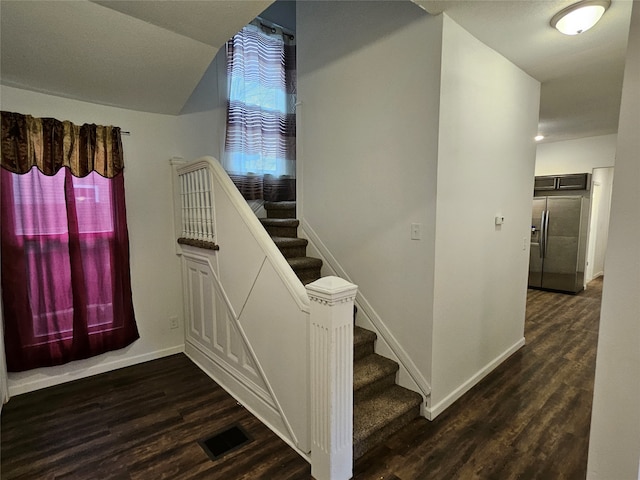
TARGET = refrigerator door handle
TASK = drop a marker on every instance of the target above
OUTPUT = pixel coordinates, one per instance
(546, 231)
(541, 241)
(541, 233)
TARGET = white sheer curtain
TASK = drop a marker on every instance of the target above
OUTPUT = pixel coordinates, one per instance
(260, 131)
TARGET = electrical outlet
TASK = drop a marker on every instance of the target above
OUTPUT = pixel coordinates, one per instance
(173, 322)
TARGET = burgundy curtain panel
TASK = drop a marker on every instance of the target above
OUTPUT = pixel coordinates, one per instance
(66, 287)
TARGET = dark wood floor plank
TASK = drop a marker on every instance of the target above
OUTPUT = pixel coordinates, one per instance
(528, 419)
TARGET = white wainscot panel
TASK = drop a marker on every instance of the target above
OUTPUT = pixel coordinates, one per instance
(278, 332)
(240, 257)
(211, 327)
(193, 294)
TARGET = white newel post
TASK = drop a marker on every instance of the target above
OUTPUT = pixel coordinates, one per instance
(331, 336)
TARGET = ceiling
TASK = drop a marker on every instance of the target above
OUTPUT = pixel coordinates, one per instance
(150, 55)
(141, 55)
(581, 75)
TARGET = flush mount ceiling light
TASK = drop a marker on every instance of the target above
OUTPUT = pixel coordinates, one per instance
(579, 17)
(537, 138)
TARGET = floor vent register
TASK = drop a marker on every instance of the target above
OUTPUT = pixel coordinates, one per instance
(224, 442)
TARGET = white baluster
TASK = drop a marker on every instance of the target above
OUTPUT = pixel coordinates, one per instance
(203, 203)
(191, 204)
(209, 205)
(185, 205)
(198, 187)
(194, 205)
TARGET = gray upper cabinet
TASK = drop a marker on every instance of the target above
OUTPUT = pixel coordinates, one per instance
(574, 181)
(577, 181)
(545, 183)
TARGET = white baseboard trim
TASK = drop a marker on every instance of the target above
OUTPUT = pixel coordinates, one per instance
(435, 410)
(116, 364)
(244, 396)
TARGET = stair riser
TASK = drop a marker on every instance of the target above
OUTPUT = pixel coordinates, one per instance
(362, 350)
(281, 213)
(291, 232)
(308, 276)
(292, 252)
(378, 437)
(372, 388)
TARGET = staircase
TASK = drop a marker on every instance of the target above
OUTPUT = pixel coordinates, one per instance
(282, 225)
(380, 407)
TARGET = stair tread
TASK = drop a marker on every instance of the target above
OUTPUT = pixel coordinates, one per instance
(304, 262)
(373, 413)
(362, 335)
(290, 241)
(378, 408)
(280, 222)
(285, 205)
(370, 369)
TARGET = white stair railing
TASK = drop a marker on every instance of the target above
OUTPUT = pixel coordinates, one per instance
(196, 203)
(257, 306)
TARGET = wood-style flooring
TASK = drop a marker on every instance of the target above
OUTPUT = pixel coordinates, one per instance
(529, 419)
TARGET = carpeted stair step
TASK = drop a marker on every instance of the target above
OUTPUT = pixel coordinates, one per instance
(373, 374)
(306, 268)
(380, 406)
(291, 247)
(378, 416)
(280, 209)
(281, 227)
(363, 342)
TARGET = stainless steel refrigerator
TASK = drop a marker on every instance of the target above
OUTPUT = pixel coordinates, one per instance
(558, 243)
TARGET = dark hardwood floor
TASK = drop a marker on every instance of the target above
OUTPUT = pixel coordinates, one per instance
(527, 419)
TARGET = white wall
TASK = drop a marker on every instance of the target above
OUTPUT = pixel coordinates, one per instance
(202, 134)
(614, 447)
(576, 156)
(368, 83)
(155, 270)
(372, 162)
(203, 118)
(488, 118)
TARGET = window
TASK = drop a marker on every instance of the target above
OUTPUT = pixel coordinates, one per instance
(42, 222)
(66, 286)
(260, 136)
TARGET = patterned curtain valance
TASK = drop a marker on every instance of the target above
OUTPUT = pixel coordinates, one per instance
(50, 144)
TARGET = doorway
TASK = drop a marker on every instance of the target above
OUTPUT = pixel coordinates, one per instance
(602, 182)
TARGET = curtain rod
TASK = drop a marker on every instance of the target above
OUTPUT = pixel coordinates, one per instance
(124, 132)
(273, 26)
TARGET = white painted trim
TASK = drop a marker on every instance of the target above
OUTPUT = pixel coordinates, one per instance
(93, 370)
(252, 402)
(257, 207)
(175, 163)
(331, 351)
(401, 356)
(192, 253)
(250, 385)
(435, 410)
(282, 268)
